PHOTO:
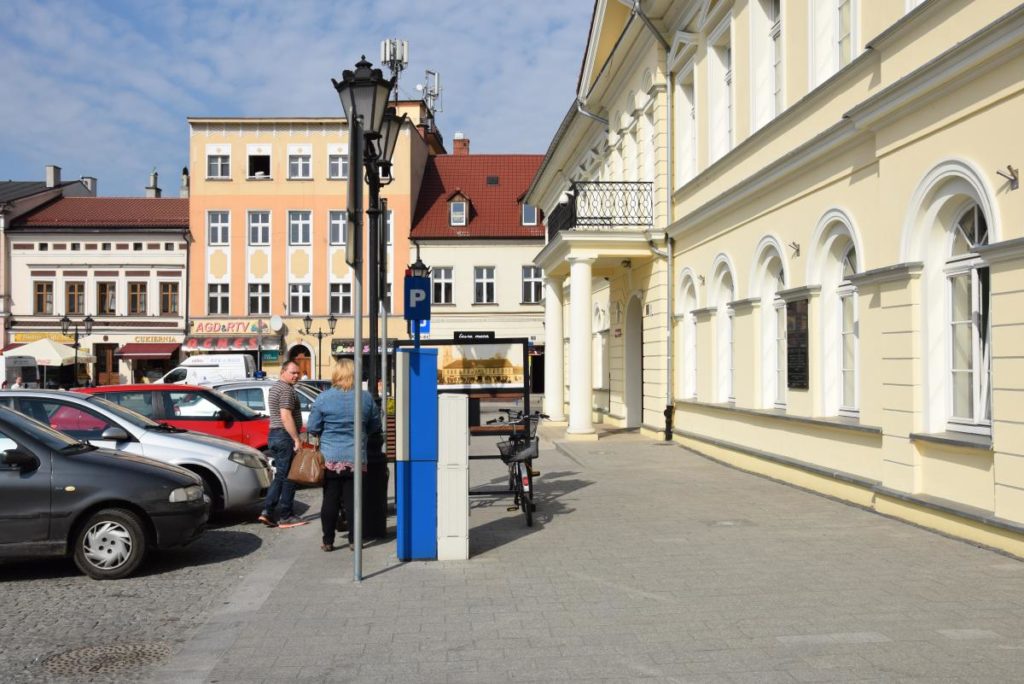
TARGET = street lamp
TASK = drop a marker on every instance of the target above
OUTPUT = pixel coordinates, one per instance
(65, 326)
(320, 334)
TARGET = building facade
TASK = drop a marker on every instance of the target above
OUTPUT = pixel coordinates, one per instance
(268, 211)
(479, 238)
(812, 247)
(121, 261)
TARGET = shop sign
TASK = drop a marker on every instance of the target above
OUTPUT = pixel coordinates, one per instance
(226, 327)
(343, 346)
(33, 336)
(272, 355)
(155, 339)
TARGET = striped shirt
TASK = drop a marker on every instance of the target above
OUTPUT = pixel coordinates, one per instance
(282, 396)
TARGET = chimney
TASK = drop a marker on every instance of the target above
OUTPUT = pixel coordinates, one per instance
(90, 184)
(460, 143)
(52, 176)
(153, 190)
(183, 191)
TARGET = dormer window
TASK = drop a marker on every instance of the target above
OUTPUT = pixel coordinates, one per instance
(457, 212)
(529, 214)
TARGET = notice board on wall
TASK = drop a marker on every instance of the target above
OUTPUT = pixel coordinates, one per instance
(797, 361)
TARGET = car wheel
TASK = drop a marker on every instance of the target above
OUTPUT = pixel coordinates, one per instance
(111, 544)
(211, 487)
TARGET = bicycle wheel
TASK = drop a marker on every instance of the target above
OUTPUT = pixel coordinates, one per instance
(524, 496)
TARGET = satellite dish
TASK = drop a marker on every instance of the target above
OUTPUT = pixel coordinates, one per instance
(276, 323)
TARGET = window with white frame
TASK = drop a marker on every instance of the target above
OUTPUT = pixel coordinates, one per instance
(218, 166)
(443, 284)
(533, 285)
(483, 285)
(259, 299)
(300, 167)
(833, 37)
(843, 33)
(766, 61)
(338, 227)
(299, 298)
(778, 73)
(969, 326)
(779, 308)
(337, 166)
(720, 92)
(529, 215)
(771, 281)
(218, 301)
(259, 227)
(457, 213)
(848, 333)
(686, 127)
(299, 227)
(218, 227)
(341, 299)
(389, 223)
(686, 385)
(724, 296)
(259, 166)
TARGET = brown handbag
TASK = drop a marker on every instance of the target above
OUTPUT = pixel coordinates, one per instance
(307, 466)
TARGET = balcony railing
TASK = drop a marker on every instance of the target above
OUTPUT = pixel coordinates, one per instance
(604, 206)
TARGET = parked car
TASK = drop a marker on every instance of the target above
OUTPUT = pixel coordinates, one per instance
(233, 475)
(256, 395)
(60, 496)
(191, 407)
(204, 369)
(317, 386)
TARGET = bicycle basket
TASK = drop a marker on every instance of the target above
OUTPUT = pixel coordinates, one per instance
(506, 448)
(527, 452)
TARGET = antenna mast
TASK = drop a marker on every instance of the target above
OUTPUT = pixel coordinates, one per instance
(394, 52)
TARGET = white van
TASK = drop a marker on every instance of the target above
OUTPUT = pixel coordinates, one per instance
(12, 366)
(206, 369)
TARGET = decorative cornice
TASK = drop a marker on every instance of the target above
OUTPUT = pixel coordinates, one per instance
(706, 312)
(795, 293)
(1007, 250)
(887, 274)
(745, 304)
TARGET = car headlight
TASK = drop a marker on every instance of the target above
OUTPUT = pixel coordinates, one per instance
(186, 494)
(245, 458)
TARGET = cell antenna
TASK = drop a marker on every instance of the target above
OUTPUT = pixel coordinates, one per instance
(394, 52)
(432, 91)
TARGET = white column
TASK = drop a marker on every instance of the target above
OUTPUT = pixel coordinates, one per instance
(554, 349)
(581, 391)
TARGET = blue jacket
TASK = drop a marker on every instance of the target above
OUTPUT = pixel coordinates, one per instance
(332, 418)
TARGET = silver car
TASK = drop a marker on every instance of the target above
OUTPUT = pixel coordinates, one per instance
(256, 394)
(234, 475)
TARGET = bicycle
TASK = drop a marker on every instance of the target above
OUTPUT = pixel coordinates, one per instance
(518, 453)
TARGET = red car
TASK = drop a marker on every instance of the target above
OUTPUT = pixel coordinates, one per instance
(191, 407)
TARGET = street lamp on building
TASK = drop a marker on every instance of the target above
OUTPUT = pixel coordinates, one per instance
(65, 325)
(319, 334)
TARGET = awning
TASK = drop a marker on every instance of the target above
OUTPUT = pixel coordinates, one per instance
(148, 350)
(224, 343)
(12, 345)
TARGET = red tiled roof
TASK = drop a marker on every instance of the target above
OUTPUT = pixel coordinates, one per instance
(109, 212)
(494, 210)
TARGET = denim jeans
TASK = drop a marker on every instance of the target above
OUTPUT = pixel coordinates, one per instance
(281, 492)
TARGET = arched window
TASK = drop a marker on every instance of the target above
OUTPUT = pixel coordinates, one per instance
(724, 345)
(768, 280)
(968, 287)
(686, 341)
(848, 335)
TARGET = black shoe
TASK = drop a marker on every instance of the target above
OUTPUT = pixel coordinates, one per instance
(267, 519)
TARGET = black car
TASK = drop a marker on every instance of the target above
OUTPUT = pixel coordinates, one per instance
(60, 496)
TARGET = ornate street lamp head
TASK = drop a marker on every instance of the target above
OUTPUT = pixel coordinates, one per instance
(65, 324)
(331, 322)
(88, 324)
(308, 323)
(390, 129)
(364, 93)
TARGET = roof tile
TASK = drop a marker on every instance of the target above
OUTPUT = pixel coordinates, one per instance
(108, 212)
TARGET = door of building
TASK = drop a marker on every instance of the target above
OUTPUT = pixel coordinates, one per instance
(106, 364)
(304, 365)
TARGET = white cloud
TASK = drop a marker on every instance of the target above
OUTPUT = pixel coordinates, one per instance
(103, 88)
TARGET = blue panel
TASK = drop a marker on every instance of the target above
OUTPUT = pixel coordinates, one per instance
(417, 298)
(416, 492)
(423, 405)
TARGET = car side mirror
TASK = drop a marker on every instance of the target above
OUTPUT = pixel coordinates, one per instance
(22, 460)
(225, 416)
(114, 434)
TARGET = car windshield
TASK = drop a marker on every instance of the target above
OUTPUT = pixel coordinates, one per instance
(247, 413)
(127, 415)
(56, 441)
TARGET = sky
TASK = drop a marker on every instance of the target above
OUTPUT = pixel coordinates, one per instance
(104, 87)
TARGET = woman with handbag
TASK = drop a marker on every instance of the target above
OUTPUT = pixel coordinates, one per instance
(333, 419)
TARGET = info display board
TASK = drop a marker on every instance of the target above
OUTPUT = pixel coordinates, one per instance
(797, 358)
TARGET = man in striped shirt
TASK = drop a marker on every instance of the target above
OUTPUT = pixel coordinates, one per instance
(283, 442)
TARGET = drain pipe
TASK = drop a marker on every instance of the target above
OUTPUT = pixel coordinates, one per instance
(647, 22)
(590, 115)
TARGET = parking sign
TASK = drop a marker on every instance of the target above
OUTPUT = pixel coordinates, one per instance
(417, 298)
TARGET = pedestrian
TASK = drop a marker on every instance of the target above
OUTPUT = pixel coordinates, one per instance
(333, 419)
(18, 384)
(283, 442)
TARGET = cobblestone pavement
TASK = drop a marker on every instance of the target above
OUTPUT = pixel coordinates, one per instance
(47, 607)
(647, 561)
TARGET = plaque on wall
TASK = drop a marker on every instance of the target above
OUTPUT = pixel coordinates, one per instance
(797, 362)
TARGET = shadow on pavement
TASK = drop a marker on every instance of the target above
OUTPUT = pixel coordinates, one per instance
(549, 489)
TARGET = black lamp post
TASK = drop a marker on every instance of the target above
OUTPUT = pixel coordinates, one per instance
(65, 326)
(320, 334)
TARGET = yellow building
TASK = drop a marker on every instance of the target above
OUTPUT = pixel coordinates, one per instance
(268, 200)
(790, 235)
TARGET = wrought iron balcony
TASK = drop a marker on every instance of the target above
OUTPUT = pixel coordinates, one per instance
(604, 206)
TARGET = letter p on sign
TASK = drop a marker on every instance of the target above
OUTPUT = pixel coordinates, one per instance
(417, 298)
